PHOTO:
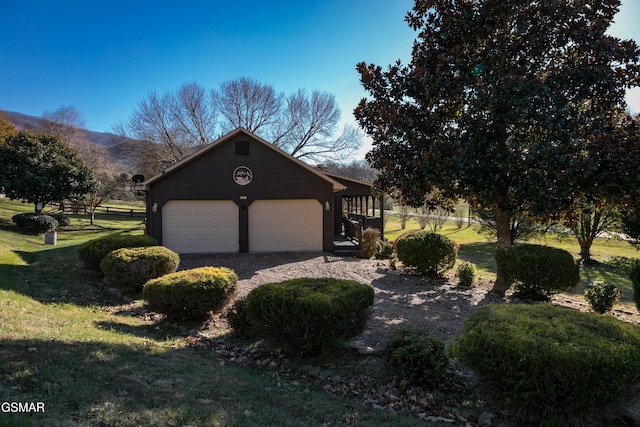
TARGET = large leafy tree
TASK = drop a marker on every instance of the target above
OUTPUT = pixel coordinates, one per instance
(39, 169)
(500, 103)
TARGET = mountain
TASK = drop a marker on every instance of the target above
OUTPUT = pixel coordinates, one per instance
(35, 124)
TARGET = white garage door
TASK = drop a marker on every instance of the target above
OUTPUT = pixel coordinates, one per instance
(200, 226)
(285, 225)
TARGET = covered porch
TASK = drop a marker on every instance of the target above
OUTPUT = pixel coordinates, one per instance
(356, 209)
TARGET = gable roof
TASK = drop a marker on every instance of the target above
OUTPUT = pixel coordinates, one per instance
(145, 185)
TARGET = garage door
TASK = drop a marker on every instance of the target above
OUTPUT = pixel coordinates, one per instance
(285, 225)
(200, 226)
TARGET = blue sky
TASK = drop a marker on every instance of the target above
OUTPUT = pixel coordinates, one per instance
(103, 57)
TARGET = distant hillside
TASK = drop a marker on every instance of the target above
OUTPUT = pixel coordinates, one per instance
(113, 143)
(35, 124)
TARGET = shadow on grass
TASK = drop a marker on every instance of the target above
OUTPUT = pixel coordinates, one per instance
(483, 255)
(98, 383)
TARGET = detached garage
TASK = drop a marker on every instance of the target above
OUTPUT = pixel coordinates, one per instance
(242, 194)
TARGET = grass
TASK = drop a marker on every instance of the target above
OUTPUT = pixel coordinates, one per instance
(61, 345)
(480, 250)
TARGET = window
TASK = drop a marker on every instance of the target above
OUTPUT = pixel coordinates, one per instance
(243, 148)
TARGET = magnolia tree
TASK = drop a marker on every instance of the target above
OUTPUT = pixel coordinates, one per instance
(506, 104)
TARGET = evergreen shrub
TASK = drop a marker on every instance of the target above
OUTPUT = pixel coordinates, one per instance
(384, 249)
(191, 294)
(131, 268)
(92, 252)
(550, 365)
(63, 220)
(417, 358)
(466, 273)
(34, 223)
(237, 318)
(537, 271)
(601, 296)
(308, 316)
(427, 252)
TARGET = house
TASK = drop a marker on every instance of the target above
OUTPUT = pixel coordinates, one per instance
(242, 194)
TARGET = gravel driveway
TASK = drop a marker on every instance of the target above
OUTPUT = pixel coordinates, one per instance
(402, 299)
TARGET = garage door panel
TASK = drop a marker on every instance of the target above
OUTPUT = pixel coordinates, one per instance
(285, 225)
(200, 226)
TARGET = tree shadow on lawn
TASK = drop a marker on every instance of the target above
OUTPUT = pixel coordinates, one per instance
(483, 255)
(56, 275)
(98, 383)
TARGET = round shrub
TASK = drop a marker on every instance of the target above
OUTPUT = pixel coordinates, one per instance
(384, 250)
(191, 294)
(550, 365)
(34, 223)
(63, 220)
(419, 359)
(308, 316)
(601, 296)
(427, 252)
(92, 252)
(537, 271)
(634, 275)
(131, 268)
(466, 273)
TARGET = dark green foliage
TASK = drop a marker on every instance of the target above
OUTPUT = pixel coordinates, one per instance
(308, 316)
(550, 365)
(466, 273)
(427, 252)
(634, 275)
(630, 225)
(63, 220)
(92, 252)
(538, 271)
(131, 268)
(601, 296)
(384, 250)
(237, 318)
(491, 107)
(370, 238)
(416, 358)
(35, 223)
(40, 169)
(191, 294)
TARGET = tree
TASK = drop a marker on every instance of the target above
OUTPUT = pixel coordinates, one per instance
(6, 127)
(303, 125)
(590, 223)
(39, 169)
(500, 104)
(520, 227)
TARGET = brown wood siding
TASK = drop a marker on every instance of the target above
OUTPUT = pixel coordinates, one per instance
(210, 177)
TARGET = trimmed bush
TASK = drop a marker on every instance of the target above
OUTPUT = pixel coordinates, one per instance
(634, 275)
(466, 273)
(416, 358)
(63, 220)
(601, 296)
(131, 268)
(550, 365)
(92, 252)
(191, 294)
(427, 252)
(384, 250)
(370, 238)
(537, 271)
(237, 318)
(34, 223)
(309, 316)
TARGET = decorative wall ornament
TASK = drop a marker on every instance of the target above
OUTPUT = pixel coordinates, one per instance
(242, 175)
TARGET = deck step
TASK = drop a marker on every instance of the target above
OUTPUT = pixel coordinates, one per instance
(348, 251)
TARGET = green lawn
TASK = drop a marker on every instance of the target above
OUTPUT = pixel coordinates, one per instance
(59, 345)
(480, 250)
